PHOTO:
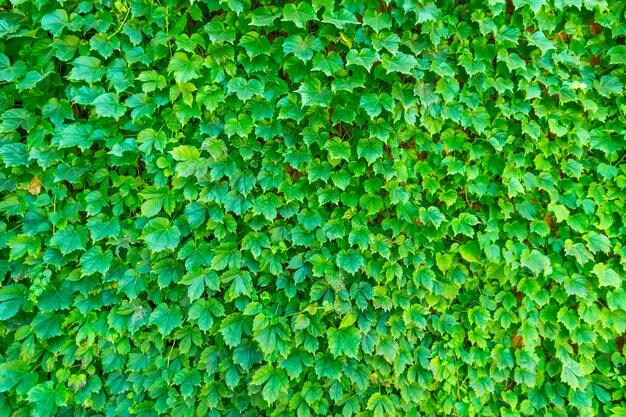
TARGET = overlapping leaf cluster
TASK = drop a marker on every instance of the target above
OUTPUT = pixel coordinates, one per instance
(355, 208)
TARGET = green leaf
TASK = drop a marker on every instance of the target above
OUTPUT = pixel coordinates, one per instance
(572, 373)
(363, 57)
(299, 13)
(597, 242)
(240, 126)
(350, 260)
(10, 72)
(95, 260)
(12, 298)
(245, 89)
(160, 235)
(373, 103)
(471, 251)
(578, 251)
(607, 276)
(381, 406)
(302, 48)
(329, 64)
(86, 68)
(313, 93)
(399, 62)
(370, 148)
(344, 341)
(47, 325)
(433, 215)
(108, 105)
(12, 373)
(274, 381)
(55, 22)
(373, 204)
(166, 318)
(377, 21)
(448, 88)
(617, 54)
(255, 44)
(45, 399)
(203, 311)
(185, 68)
(537, 262)
(265, 16)
(69, 240)
(540, 40)
(326, 366)
(57, 111)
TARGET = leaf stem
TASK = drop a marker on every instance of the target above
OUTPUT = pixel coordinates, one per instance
(121, 24)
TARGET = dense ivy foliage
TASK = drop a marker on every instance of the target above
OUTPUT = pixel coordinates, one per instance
(325, 208)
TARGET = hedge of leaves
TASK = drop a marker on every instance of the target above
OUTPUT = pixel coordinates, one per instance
(326, 208)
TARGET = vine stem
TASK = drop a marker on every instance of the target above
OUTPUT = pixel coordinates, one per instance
(121, 24)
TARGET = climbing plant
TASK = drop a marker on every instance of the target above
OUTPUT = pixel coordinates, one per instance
(325, 208)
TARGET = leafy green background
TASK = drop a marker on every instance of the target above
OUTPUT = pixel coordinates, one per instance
(355, 208)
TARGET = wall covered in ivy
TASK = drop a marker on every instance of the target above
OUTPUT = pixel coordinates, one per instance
(315, 208)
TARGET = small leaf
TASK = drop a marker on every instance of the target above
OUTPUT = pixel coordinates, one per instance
(160, 235)
(95, 260)
(344, 341)
(350, 260)
(607, 276)
(166, 318)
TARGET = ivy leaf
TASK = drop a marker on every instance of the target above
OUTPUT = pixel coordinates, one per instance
(370, 148)
(536, 261)
(265, 16)
(400, 62)
(350, 260)
(55, 21)
(108, 105)
(12, 298)
(184, 67)
(69, 240)
(607, 276)
(540, 40)
(86, 68)
(12, 373)
(47, 325)
(344, 341)
(617, 54)
(45, 399)
(578, 251)
(274, 381)
(303, 48)
(373, 103)
(571, 373)
(377, 21)
(166, 318)
(597, 242)
(313, 93)
(432, 215)
(329, 64)
(380, 405)
(240, 126)
(299, 13)
(365, 58)
(255, 44)
(470, 251)
(95, 260)
(203, 311)
(11, 72)
(245, 89)
(160, 235)
(448, 88)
